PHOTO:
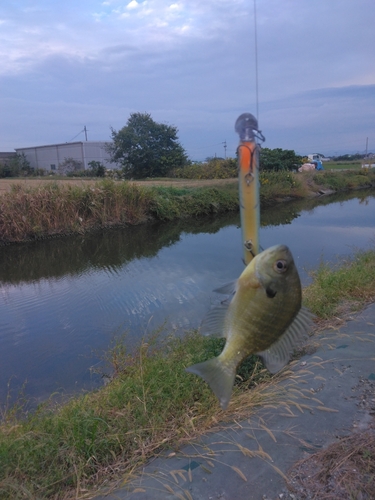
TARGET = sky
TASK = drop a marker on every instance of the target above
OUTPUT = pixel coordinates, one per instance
(191, 64)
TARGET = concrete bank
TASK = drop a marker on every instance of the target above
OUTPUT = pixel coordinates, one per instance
(327, 395)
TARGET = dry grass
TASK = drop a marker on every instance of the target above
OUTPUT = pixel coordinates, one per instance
(343, 471)
(28, 182)
(59, 209)
(191, 183)
(244, 404)
(285, 395)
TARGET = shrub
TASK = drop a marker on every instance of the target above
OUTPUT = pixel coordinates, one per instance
(16, 166)
(279, 159)
(216, 168)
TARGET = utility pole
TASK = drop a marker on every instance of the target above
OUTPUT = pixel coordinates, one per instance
(366, 146)
(225, 148)
(85, 130)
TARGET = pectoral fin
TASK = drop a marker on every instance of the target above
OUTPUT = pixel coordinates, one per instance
(213, 322)
(278, 354)
(227, 289)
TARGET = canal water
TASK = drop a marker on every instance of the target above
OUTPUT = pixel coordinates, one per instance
(62, 301)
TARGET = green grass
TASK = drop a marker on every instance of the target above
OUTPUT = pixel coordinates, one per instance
(173, 203)
(150, 403)
(341, 181)
(347, 287)
(279, 185)
(351, 165)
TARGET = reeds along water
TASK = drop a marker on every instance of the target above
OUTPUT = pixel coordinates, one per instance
(56, 209)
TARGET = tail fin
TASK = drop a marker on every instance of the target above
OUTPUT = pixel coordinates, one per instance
(218, 377)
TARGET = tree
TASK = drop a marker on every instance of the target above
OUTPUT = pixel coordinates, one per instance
(16, 166)
(279, 159)
(97, 169)
(69, 165)
(145, 148)
(349, 157)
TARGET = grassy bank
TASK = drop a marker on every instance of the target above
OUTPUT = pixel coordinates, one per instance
(281, 186)
(54, 208)
(63, 451)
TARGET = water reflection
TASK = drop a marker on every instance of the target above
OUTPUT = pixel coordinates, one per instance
(112, 249)
(60, 300)
(109, 250)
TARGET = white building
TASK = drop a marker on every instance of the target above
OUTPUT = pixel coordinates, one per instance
(51, 156)
(317, 157)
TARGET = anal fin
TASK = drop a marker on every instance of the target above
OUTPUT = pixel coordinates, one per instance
(279, 353)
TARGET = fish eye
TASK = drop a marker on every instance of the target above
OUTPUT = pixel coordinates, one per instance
(280, 266)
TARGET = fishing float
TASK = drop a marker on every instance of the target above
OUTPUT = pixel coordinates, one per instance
(248, 183)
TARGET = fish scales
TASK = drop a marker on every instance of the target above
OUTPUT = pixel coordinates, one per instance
(264, 316)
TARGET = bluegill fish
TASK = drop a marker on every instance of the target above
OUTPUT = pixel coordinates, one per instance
(263, 316)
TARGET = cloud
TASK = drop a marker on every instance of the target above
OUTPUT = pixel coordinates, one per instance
(192, 64)
(132, 5)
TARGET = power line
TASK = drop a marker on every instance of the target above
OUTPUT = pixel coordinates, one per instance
(83, 130)
(76, 136)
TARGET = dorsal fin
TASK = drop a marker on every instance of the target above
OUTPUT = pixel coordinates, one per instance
(278, 355)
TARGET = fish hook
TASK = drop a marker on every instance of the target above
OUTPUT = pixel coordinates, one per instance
(248, 244)
(249, 177)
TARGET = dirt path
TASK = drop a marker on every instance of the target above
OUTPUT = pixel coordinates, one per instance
(188, 183)
(5, 184)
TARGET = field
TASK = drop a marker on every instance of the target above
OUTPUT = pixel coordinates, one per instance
(28, 182)
(340, 165)
(5, 184)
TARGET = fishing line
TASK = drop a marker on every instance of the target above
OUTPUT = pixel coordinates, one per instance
(256, 61)
(248, 173)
